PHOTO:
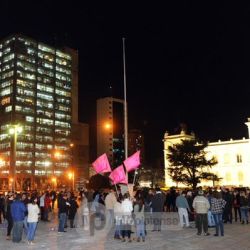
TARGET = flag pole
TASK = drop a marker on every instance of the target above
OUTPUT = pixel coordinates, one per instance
(125, 102)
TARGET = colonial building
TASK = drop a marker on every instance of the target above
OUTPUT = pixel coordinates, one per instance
(233, 159)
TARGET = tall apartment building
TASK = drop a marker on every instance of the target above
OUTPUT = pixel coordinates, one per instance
(110, 129)
(37, 83)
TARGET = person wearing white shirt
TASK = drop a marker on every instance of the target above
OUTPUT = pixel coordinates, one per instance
(127, 208)
(33, 215)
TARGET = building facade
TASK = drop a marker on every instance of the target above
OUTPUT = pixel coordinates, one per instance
(37, 83)
(233, 160)
(110, 129)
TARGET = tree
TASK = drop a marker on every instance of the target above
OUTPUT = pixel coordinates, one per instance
(188, 163)
(98, 182)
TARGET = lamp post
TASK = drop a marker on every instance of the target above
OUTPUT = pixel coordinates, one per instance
(72, 166)
(14, 130)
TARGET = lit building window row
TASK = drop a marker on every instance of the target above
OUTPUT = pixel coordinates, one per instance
(25, 83)
(4, 137)
(45, 56)
(24, 154)
(46, 48)
(26, 66)
(8, 109)
(26, 100)
(6, 91)
(42, 155)
(44, 104)
(63, 70)
(24, 109)
(63, 93)
(44, 87)
(5, 145)
(44, 138)
(6, 50)
(62, 124)
(63, 108)
(43, 146)
(7, 74)
(63, 100)
(8, 57)
(62, 132)
(44, 121)
(26, 75)
(45, 96)
(44, 130)
(44, 71)
(63, 55)
(24, 163)
(24, 91)
(63, 85)
(6, 42)
(26, 58)
(62, 116)
(6, 83)
(8, 66)
(29, 119)
(24, 145)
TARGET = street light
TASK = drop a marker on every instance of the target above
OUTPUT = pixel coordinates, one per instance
(14, 130)
(71, 176)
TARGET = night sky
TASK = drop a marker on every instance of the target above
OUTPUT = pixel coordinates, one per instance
(187, 62)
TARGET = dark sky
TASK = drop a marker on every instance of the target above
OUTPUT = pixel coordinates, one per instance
(187, 61)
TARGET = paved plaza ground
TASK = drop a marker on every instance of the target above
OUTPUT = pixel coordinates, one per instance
(237, 237)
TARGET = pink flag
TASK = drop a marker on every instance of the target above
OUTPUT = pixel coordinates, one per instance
(101, 164)
(132, 162)
(118, 175)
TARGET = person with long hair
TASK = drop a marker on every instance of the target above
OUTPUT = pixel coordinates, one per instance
(33, 215)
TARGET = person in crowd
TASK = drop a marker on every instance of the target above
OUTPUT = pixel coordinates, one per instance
(41, 204)
(243, 207)
(2, 206)
(227, 211)
(9, 219)
(47, 206)
(118, 218)
(25, 201)
(217, 206)
(236, 205)
(110, 201)
(53, 198)
(72, 210)
(183, 208)
(18, 211)
(33, 215)
(127, 208)
(158, 201)
(62, 212)
(190, 199)
(139, 219)
(201, 206)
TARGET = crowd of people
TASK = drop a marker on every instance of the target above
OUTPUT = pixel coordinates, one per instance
(23, 211)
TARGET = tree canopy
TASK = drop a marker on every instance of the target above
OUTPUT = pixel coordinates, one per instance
(188, 163)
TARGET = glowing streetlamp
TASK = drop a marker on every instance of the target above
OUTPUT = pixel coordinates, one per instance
(71, 176)
(14, 130)
(107, 125)
(54, 182)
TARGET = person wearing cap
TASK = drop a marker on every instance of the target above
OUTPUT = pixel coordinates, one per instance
(201, 206)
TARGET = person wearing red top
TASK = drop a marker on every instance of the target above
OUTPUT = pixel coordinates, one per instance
(47, 206)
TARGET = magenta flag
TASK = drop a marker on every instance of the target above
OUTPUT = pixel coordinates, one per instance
(118, 175)
(101, 164)
(132, 162)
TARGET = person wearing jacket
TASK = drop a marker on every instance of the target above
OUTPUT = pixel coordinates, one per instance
(63, 209)
(244, 207)
(33, 215)
(18, 211)
(10, 199)
(72, 210)
(201, 206)
(183, 208)
(217, 206)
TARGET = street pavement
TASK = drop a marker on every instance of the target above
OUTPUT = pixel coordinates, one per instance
(172, 237)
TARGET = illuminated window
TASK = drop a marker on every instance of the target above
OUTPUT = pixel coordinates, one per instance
(240, 176)
(46, 48)
(63, 55)
(8, 57)
(63, 93)
(228, 177)
(7, 74)
(5, 101)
